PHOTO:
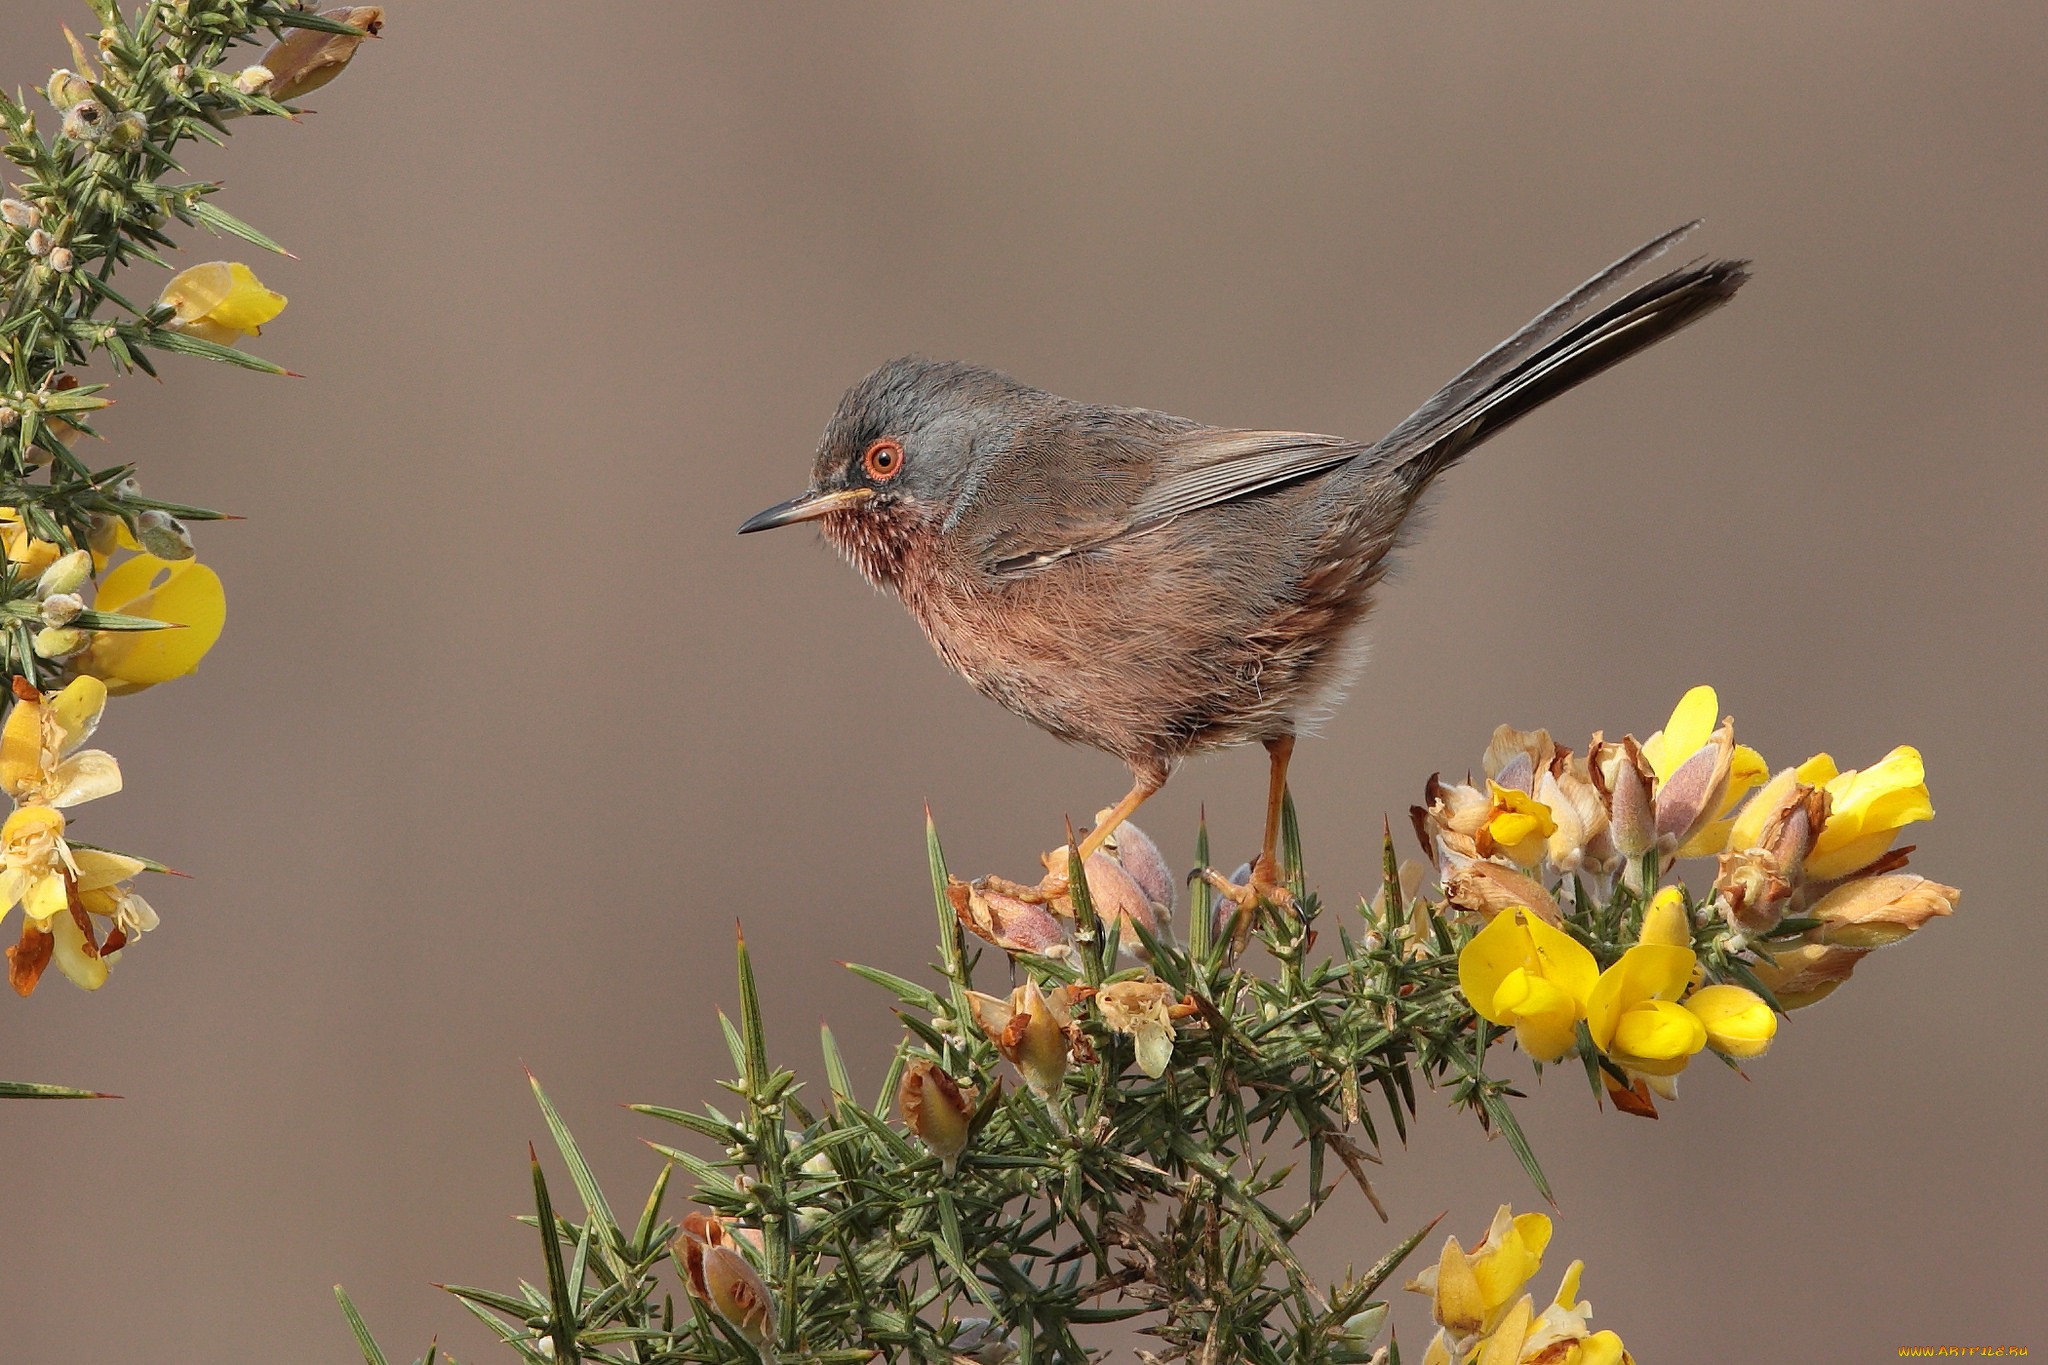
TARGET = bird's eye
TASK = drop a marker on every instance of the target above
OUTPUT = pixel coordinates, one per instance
(884, 460)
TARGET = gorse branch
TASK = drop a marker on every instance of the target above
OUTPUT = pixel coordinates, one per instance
(100, 591)
(1139, 1130)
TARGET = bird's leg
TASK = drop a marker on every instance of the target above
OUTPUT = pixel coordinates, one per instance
(1054, 884)
(1146, 784)
(1264, 883)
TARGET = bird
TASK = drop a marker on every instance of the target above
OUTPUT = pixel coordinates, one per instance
(1156, 587)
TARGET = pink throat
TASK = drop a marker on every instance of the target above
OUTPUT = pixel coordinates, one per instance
(875, 540)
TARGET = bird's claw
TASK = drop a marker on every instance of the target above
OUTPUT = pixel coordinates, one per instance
(1261, 887)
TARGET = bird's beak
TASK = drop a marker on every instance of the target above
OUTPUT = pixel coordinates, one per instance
(804, 507)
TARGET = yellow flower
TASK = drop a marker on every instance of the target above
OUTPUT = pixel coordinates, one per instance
(1558, 1336)
(1665, 922)
(1471, 1292)
(1688, 730)
(31, 555)
(221, 302)
(1738, 1022)
(1633, 1014)
(183, 592)
(40, 763)
(1866, 809)
(1519, 825)
(1519, 972)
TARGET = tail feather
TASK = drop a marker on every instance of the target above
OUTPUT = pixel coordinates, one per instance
(1540, 362)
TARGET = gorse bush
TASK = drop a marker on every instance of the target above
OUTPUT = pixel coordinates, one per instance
(1138, 1126)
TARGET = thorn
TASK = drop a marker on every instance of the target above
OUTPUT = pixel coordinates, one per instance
(288, 374)
(739, 933)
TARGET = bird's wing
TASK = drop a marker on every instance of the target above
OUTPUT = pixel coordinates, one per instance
(1128, 487)
(1208, 466)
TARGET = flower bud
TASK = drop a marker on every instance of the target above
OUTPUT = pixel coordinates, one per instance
(62, 608)
(1142, 860)
(87, 121)
(67, 89)
(39, 243)
(26, 217)
(61, 642)
(1630, 816)
(1361, 1328)
(163, 535)
(60, 259)
(1691, 796)
(982, 1342)
(253, 80)
(1119, 901)
(937, 1109)
(1738, 1022)
(1665, 921)
(1872, 912)
(305, 59)
(128, 131)
(67, 575)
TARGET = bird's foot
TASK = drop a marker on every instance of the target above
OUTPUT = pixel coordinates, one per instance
(1261, 886)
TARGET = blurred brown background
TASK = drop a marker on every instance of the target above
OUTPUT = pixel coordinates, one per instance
(507, 727)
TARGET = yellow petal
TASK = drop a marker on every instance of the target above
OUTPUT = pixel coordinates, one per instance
(84, 777)
(77, 710)
(1691, 723)
(1602, 1348)
(21, 748)
(1459, 1307)
(183, 592)
(1504, 1346)
(1568, 1290)
(1665, 921)
(1645, 972)
(47, 899)
(1817, 771)
(197, 291)
(1659, 1031)
(1737, 1021)
(248, 304)
(74, 957)
(98, 868)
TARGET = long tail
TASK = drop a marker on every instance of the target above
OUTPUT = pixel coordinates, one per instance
(1553, 354)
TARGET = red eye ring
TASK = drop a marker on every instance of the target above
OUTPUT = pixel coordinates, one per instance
(883, 460)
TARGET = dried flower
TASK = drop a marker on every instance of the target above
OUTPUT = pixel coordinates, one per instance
(1011, 923)
(937, 1109)
(253, 80)
(67, 89)
(1032, 1029)
(718, 1274)
(1141, 1009)
(1803, 974)
(1871, 912)
(86, 121)
(304, 60)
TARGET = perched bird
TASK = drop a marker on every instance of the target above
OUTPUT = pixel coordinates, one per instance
(1155, 587)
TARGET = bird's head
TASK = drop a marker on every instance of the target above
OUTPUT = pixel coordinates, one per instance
(900, 454)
